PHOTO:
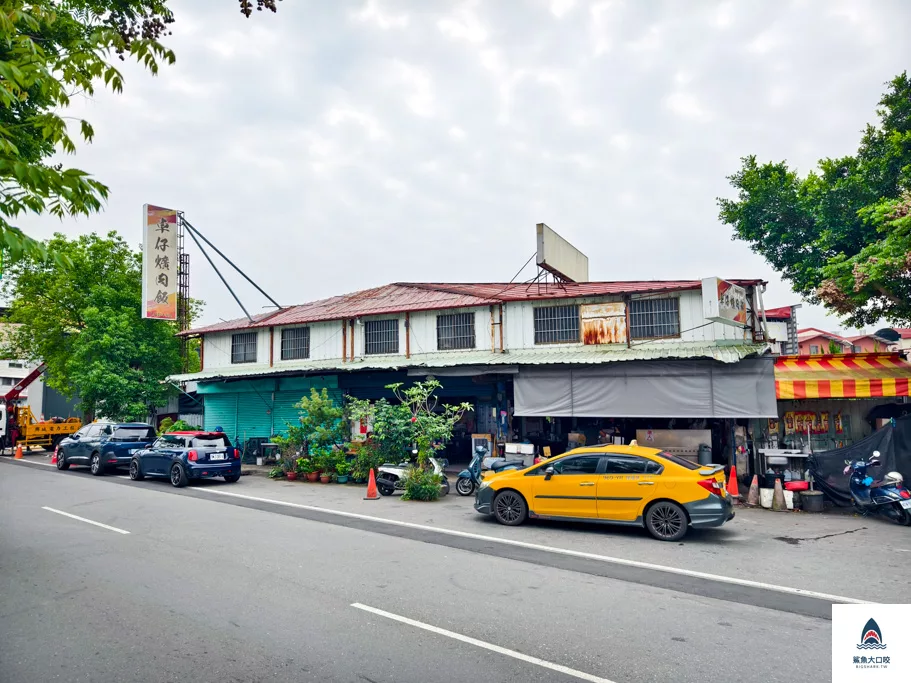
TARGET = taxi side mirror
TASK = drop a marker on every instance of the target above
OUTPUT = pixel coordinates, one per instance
(548, 473)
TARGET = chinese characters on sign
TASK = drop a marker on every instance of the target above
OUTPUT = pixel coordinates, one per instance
(159, 263)
(724, 302)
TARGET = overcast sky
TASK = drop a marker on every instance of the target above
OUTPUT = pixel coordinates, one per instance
(341, 145)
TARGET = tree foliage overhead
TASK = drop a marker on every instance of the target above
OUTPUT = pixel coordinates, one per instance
(50, 52)
(841, 235)
(82, 316)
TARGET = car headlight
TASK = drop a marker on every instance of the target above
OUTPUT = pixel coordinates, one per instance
(484, 485)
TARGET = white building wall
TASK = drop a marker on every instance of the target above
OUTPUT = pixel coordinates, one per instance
(518, 331)
(424, 329)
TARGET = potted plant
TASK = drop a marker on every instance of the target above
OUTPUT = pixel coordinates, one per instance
(277, 473)
(308, 468)
(341, 470)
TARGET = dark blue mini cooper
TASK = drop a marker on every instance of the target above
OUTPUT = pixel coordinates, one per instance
(183, 456)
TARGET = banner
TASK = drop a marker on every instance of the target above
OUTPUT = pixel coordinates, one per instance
(159, 263)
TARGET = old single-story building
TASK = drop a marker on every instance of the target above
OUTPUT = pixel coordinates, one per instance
(673, 363)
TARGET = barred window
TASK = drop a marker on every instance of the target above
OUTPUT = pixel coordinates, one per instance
(653, 318)
(243, 347)
(381, 336)
(295, 343)
(455, 331)
(556, 324)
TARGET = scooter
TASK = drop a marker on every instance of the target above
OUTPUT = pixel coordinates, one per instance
(470, 478)
(390, 477)
(888, 497)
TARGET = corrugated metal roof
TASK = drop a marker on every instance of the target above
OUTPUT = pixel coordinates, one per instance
(577, 355)
(403, 296)
(780, 313)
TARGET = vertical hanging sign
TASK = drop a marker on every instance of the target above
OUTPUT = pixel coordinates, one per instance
(159, 263)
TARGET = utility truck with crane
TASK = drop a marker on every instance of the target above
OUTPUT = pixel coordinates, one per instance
(16, 415)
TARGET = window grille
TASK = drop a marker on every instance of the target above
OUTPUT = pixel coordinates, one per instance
(556, 324)
(243, 347)
(295, 343)
(654, 318)
(455, 331)
(381, 336)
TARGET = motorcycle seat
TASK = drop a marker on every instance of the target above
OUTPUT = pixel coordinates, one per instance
(507, 463)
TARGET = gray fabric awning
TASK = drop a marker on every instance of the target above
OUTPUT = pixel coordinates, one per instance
(696, 388)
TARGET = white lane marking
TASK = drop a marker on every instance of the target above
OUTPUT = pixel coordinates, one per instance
(552, 549)
(87, 521)
(483, 644)
(32, 462)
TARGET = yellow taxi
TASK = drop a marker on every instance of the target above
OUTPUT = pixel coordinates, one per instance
(628, 485)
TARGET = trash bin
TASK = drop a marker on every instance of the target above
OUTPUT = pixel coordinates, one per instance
(811, 501)
(704, 456)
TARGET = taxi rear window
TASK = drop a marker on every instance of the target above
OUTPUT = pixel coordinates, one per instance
(677, 460)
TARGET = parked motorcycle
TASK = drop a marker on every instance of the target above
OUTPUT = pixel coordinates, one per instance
(888, 497)
(470, 478)
(390, 477)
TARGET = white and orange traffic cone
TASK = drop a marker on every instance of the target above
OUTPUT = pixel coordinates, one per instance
(54, 457)
(18, 452)
(753, 495)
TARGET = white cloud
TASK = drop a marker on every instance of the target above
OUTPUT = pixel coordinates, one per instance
(373, 13)
(464, 24)
(331, 125)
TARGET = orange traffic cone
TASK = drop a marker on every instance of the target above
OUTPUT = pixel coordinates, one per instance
(753, 495)
(18, 452)
(54, 457)
(372, 493)
(733, 490)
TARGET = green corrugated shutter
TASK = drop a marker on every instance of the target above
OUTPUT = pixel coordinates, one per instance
(221, 411)
(254, 415)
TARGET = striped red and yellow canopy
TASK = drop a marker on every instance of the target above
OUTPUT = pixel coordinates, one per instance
(853, 375)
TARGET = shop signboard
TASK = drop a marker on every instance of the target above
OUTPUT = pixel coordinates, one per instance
(724, 302)
(559, 257)
(159, 263)
(604, 323)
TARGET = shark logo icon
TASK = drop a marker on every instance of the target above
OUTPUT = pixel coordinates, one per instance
(872, 637)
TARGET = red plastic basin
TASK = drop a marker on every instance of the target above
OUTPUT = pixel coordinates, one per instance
(797, 485)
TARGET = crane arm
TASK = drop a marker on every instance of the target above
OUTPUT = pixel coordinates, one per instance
(14, 393)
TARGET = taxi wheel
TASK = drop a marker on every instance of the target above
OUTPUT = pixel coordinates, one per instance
(666, 521)
(509, 508)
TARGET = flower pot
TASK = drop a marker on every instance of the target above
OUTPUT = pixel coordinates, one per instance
(324, 478)
(292, 476)
(312, 476)
(342, 478)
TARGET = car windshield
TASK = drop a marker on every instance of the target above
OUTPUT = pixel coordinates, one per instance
(171, 441)
(133, 434)
(210, 441)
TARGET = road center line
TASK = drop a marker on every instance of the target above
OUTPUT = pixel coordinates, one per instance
(87, 521)
(551, 549)
(483, 644)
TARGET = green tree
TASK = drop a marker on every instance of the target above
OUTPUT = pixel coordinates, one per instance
(841, 235)
(81, 315)
(51, 51)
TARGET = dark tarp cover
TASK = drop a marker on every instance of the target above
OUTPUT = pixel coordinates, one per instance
(894, 445)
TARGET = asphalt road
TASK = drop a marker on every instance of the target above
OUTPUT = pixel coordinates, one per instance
(204, 589)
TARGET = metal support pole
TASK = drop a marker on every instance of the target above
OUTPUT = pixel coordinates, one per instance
(218, 272)
(194, 232)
